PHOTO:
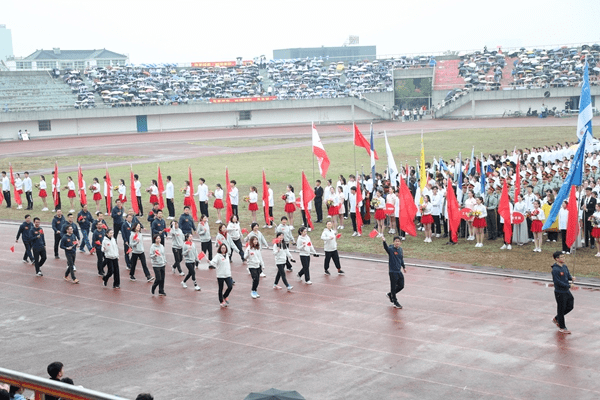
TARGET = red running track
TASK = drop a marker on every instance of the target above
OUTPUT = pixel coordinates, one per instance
(459, 335)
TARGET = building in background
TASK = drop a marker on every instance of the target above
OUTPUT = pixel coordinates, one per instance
(66, 59)
(6, 47)
(338, 53)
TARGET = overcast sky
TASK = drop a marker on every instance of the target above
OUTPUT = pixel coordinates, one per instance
(186, 31)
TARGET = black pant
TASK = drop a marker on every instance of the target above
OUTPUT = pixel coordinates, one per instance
(346, 207)
(234, 209)
(126, 255)
(59, 205)
(553, 236)
(238, 244)
(270, 217)
(140, 206)
(203, 208)
(564, 305)
(57, 238)
(492, 227)
(112, 265)
(589, 239)
(353, 218)
(29, 197)
(100, 263)
(319, 208)
(336, 259)
(563, 234)
(171, 207)
(255, 273)
(437, 227)
(159, 273)
(396, 284)
(229, 282)
(6, 195)
(39, 257)
(304, 220)
(305, 260)
(28, 255)
(529, 233)
(116, 230)
(70, 264)
(178, 254)
(134, 258)
(281, 274)
(207, 249)
(191, 272)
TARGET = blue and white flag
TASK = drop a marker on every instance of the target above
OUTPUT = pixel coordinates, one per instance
(443, 166)
(584, 122)
(482, 177)
(392, 169)
(373, 156)
(458, 172)
(472, 167)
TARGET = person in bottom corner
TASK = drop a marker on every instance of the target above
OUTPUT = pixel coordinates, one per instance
(305, 248)
(396, 265)
(111, 257)
(190, 255)
(564, 299)
(255, 261)
(281, 253)
(223, 271)
(329, 237)
(159, 261)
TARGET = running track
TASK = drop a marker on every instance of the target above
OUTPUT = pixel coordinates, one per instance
(459, 336)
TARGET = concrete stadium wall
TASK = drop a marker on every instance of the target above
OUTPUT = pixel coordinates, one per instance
(197, 116)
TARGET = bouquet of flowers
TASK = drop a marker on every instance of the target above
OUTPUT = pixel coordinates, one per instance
(37, 185)
(246, 199)
(284, 197)
(475, 214)
(329, 203)
(183, 190)
(376, 202)
(116, 187)
(595, 221)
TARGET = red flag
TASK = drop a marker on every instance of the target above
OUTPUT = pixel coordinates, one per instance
(55, 184)
(108, 191)
(12, 248)
(201, 256)
(157, 252)
(1, 197)
(339, 235)
(265, 198)
(244, 231)
(408, 210)
(97, 242)
(227, 198)
(518, 182)
(373, 233)
(12, 181)
(478, 166)
(319, 152)
(454, 212)
(504, 211)
(130, 250)
(360, 141)
(194, 208)
(161, 189)
(573, 223)
(308, 194)
(82, 196)
(134, 202)
(275, 241)
(359, 221)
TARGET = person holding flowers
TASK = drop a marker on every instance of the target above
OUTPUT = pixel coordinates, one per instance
(595, 220)
(470, 203)
(379, 206)
(122, 190)
(43, 193)
(479, 213)
(187, 199)
(218, 204)
(426, 217)
(290, 204)
(333, 203)
(153, 190)
(71, 193)
(96, 195)
(537, 217)
(252, 200)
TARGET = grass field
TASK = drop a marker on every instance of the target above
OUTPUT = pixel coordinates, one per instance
(284, 167)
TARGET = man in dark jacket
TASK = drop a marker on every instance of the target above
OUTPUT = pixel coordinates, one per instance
(38, 245)
(562, 294)
(396, 264)
(85, 219)
(97, 238)
(25, 232)
(57, 223)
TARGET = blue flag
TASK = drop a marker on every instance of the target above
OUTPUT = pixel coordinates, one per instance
(443, 166)
(472, 166)
(458, 171)
(575, 177)
(482, 177)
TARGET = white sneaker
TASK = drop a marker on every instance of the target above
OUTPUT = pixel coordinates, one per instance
(276, 287)
(263, 275)
(308, 282)
(182, 273)
(309, 229)
(358, 234)
(509, 247)
(503, 247)
(197, 288)
(20, 207)
(45, 209)
(173, 270)
(218, 221)
(437, 235)
(403, 238)
(183, 285)
(71, 211)
(355, 233)
(290, 287)
(265, 226)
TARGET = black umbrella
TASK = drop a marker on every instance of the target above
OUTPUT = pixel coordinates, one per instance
(275, 394)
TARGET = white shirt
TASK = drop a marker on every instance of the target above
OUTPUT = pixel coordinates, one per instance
(202, 192)
(5, 184)
(27, 185)
(291, 197)
(71, 185)
(219, 194)
(95, 188)
(57, 186)
(122, 190)
(18, 184)
(137, 185)
(253, 197)
(563, 218)
(352, 202)
(234, 196)
(43, 185)
(170, 190)
(271, 198)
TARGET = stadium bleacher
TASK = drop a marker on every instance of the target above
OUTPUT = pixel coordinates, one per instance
(33, 90)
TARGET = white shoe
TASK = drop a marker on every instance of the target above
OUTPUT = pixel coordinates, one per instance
(358, 234)
(503, 247)
(19, 207)
(308, 282)
(309, 229)
(291, 227)
(182, 273)
(218, 221)
(437, 235)
(403, 238)
(355, 233)
(71, 211)
(53, 210)
(263, 275)
(183, 285)
(197, 288)
(509, 247)
(265, 226)
(45, 209)
(276, 287)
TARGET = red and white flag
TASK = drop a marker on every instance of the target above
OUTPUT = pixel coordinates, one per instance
(308, 194)
(319, 152)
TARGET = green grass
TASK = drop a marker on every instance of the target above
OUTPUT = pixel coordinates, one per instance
(21, 164)
(261, 142)
(284, 167)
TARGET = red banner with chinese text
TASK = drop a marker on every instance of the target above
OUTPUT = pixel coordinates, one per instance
(220, 63)
(244, 99)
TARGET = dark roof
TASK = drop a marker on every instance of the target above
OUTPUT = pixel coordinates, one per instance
(74, 55)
